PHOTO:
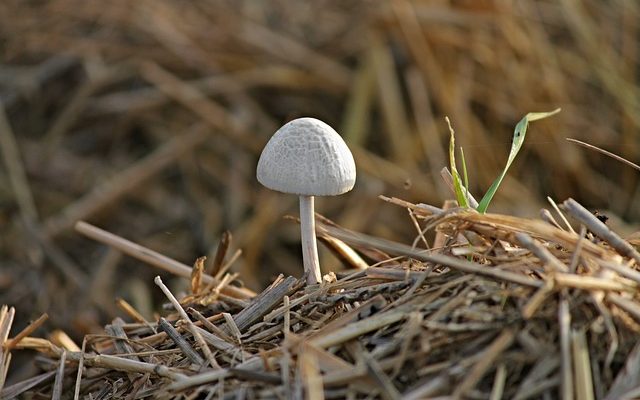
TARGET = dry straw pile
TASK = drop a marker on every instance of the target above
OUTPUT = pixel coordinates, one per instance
(499, 307)
(147, 119)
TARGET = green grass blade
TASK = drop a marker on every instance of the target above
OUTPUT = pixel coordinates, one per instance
(457, 182)
(466, 177)
(518, 138)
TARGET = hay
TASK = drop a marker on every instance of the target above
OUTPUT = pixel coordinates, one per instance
(147, 119)
(506, 308)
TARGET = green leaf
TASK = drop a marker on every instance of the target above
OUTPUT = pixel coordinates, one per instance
(466, 177)
(518, 138)
(457, 182)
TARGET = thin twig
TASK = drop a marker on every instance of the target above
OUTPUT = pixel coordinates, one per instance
(605, 152)
(180, 342)
(151, 257)
(76, 391)
(600, 229)
(57, 385)
(192, 328)
(28, 330)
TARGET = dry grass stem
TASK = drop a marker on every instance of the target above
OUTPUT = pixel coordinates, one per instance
(151, 257)
(192, 328)
(25, 332)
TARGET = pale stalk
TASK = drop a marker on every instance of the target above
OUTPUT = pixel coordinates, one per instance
(308, 235)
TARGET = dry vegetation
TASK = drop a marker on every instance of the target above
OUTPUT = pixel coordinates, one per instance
(146, 118)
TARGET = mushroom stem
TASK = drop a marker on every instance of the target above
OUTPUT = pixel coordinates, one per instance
(308, 235)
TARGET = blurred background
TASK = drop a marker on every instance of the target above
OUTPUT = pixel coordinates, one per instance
(147, 118)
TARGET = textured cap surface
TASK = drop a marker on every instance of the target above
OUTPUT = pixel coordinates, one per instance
(307, 157)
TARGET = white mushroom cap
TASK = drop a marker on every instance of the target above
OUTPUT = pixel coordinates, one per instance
(307, 157)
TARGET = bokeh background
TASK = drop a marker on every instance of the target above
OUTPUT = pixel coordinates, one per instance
(147, 118)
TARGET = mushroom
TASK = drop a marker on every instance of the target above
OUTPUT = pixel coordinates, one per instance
(308, 158)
